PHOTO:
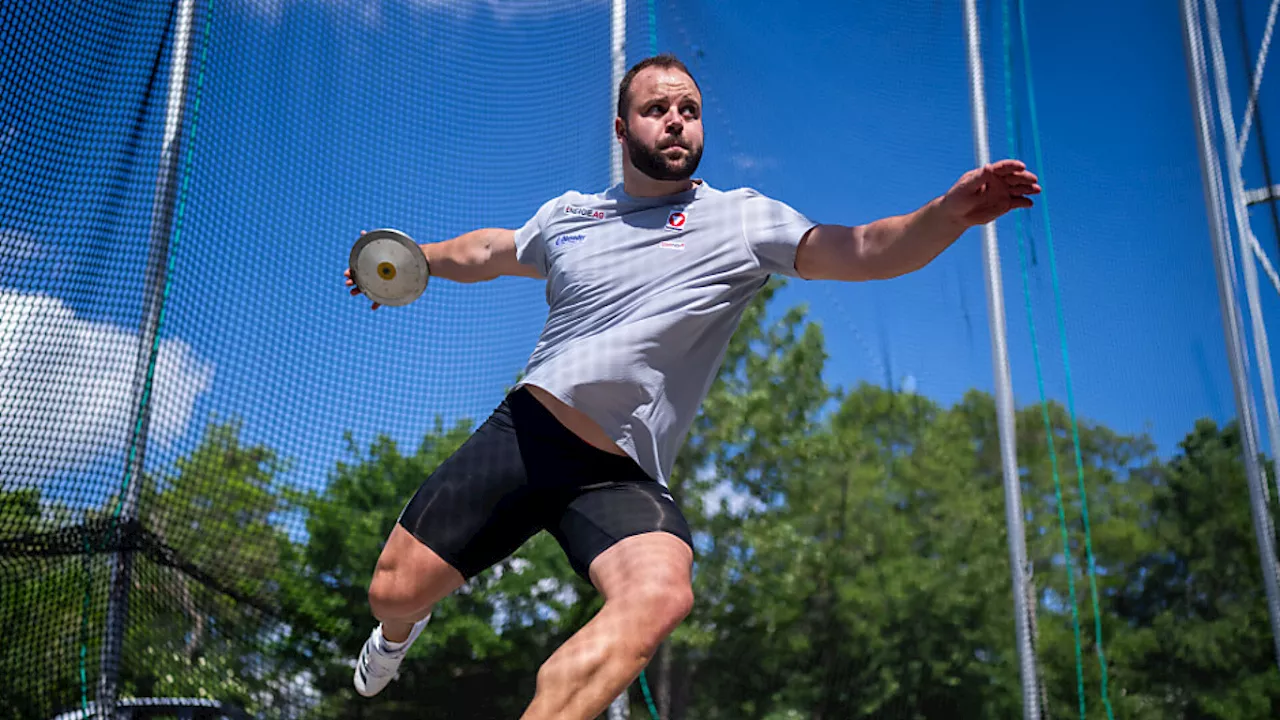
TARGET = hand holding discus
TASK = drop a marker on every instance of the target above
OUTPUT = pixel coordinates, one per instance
(388, 268)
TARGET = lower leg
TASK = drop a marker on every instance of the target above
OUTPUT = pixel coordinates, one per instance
(407, 582)
(397, 631)
(582, 677)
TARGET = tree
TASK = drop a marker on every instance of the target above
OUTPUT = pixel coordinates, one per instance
(1199, 642)
(205, 546)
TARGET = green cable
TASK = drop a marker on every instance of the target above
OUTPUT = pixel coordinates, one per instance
(145, 399)
(653, 30)
(653, 50)
(1020, 232)
(1066, 364)
(648, 699)
(1061, 326)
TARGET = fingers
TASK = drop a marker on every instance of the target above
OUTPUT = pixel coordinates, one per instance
(352, 283)
(1025, 189)
(1013, 172)
(1020, 202)
(1006, 167)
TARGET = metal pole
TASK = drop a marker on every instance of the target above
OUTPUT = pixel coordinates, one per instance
(618, 56)
(1021, 570)
(1219, 232)
(1248, 243)
(620, 708)
(165, 197)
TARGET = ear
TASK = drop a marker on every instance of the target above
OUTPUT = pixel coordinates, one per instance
(619, 128)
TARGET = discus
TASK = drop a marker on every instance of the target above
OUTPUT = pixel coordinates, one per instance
(389, 267)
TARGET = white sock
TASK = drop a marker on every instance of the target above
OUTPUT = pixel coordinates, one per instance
(393, 646)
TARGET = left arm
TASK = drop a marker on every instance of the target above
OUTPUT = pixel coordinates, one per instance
(898, 245)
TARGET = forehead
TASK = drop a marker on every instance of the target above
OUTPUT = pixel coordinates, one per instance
(657, 82)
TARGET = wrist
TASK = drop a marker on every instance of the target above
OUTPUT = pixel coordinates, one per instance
(431, 252)
(945, 217)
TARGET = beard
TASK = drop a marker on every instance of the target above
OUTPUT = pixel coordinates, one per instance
(653, 163)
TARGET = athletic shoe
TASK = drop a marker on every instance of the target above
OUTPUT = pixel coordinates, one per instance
(377, 666)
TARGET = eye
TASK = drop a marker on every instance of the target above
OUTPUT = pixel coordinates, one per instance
(654, 109)
(690, 111)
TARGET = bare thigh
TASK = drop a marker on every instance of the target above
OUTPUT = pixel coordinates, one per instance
(650, 568)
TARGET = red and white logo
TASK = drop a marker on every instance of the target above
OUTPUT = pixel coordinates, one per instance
(671, 245)
(675, 221)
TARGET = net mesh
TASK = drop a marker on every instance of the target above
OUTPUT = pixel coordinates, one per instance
(204, 441)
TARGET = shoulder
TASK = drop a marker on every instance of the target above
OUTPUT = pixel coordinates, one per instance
(742, 195)
(574, 203)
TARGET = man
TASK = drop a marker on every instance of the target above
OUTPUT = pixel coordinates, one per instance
(646, 282)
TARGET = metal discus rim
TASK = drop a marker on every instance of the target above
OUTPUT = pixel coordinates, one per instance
(388, 267)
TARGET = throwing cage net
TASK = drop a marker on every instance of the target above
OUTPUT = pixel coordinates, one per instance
(204, 440)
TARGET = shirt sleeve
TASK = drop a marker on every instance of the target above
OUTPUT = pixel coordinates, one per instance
(531, 240)
(773, 231)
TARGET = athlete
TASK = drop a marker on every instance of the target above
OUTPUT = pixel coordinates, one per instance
(645, 284)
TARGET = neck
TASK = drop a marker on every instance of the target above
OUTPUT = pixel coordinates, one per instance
(637, 184)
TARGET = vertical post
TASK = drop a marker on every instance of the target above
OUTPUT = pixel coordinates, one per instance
(1244, 235)
(1219, 233)
(1021, 570)
(162, 211)
(618, 57)
(620, 708)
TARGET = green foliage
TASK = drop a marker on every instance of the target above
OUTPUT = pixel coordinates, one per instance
(853, 562)
(493, 634)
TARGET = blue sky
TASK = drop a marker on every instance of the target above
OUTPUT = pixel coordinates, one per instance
(319, 118)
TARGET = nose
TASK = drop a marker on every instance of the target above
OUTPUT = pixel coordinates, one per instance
(675, 123)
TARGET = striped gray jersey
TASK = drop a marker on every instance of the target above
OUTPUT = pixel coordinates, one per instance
(644, 295)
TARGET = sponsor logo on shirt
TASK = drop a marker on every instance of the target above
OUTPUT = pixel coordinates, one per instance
(671, 245)
(570, 239)
(675, 221)
(583, 212)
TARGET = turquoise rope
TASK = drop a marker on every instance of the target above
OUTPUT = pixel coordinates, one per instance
(144, 401)
(1020, 231)
(648, 698)
(1066, 364)
(653, 50)
(653, 30)
(1061, 327)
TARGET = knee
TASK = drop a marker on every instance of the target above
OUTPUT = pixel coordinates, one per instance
(391, 596)
(409, 579)
(663, 606)
(396, 592)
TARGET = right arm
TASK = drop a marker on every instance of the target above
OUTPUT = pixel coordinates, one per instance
(477, 256)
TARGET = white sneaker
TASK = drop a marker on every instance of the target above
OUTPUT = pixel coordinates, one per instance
(378, 666)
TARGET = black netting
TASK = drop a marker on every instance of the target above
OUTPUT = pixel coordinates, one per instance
(204, 440)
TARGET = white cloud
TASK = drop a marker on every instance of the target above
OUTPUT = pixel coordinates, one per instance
(18, 244)
(66, 394)
(724, 497)
(909, 384)
(746, 163)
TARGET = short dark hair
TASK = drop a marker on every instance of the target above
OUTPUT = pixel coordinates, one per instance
(665, 60)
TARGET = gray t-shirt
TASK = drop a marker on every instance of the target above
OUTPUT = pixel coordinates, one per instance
(644, 295)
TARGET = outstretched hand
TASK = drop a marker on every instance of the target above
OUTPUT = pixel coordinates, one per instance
(986, 193)
(351, 283)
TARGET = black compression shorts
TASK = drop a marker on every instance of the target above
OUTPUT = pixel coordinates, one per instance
(521, 472)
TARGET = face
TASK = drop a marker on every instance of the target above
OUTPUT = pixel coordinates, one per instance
(663, 128)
